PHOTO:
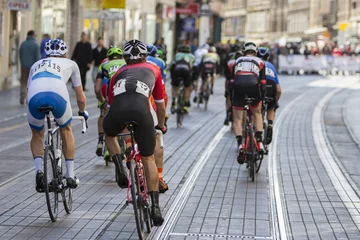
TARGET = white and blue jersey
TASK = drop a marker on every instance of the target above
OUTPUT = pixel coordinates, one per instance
(47, 88)
(271, 73)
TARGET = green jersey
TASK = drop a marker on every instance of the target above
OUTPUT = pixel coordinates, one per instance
(184, 57)
(109, 68)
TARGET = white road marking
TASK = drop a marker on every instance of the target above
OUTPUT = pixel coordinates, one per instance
(218, 235)
(337, 174)
(174, 210)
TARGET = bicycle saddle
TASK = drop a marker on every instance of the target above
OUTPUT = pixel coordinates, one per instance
(45, 109)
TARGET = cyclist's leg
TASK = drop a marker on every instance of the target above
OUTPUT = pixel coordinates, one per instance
(175, 84)
(256, 111)
(238, 113)
(159, 159)
(187, 85)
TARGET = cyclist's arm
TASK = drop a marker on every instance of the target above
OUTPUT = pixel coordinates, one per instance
(76, 81)
(262, 76)
(278, 88)
(158, 94)
(98, 85)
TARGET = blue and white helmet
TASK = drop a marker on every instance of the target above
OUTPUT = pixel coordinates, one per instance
(56, 47)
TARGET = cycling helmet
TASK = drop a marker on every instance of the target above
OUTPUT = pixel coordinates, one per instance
(152, 50)
(212, 49)
(238, 54)
(263, 53)
(249, 46)
(55, 47)
(160, 52)
(114, 52)
(185, 49)
(135, 49)
(235, 48)
(206, 46)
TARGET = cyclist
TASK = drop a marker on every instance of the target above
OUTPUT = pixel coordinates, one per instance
(47, 87)
(159, 153)
(181, 69)
(130, 89)
(273, 90)
(249, 72)
(106, 70)
(210, 63)
(229, 78)
(152, 58)
(199, 53)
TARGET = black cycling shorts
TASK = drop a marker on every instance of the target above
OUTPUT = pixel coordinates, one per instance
(271, 92)
(129, 107)
(196, 73)
(245, 86)
(181, 72)
(207, 68)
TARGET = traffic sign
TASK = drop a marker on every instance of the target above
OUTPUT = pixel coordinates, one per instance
(114, 4)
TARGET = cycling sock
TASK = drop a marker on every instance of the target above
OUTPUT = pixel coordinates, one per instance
(270, 122)
(101, 137)
(69, 168)
(239, 139)
(160, 171)
(258, 136)
(38, 163)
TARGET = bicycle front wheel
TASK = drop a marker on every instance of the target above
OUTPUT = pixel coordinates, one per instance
(251, 155)
(50, 184)
(135, 190)
(179, 110)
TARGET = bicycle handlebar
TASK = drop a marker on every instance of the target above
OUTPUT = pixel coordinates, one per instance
(84, 124)
(159, 132)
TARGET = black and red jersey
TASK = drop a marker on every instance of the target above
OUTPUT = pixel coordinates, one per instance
(250, 65)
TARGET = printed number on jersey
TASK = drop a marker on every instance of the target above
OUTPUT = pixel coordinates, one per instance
(270, 72)
(49, 66)
(247, 67)
(113, 69)
(142, 88)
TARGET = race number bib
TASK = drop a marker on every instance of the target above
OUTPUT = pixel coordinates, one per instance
(119, 87)
(142, 88)
(270, 72)
(113, 69)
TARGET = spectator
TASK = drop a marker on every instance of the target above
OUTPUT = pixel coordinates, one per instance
(29, 54)
(194, 45)
(82, 55)
(210, 42)
(306, 51)
(160, 44)
(46, 38)
(98, 54)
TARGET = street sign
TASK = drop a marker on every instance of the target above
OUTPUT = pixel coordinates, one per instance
(189, 9)
(112, 15)
(189, 24)
(205, 10)
(114, 4)
(19, 6)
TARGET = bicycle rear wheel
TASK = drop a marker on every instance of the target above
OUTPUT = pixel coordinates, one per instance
(206, 94)
(50, 177)
(180, 106)
(135, 190)
(251, 154)
(146, 206)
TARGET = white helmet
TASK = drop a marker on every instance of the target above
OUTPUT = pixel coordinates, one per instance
(249, 46)
(135, 49)
(56, 47)
(206, 46)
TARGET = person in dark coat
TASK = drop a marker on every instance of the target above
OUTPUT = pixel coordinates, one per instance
(82, 55)
(29, 54)
(98, 54)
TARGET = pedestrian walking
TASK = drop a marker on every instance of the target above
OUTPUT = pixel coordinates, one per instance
(98, 54)
(29, 54)
(46, 38)
(82, 55)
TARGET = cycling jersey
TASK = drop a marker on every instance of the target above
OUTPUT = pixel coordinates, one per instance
(107, 70)
(271, 73)
(199, 53)
(160, 63)
(47, 87)
(271, 81)
(130, 89)
(181, 69)
(209, 63)
(248, 71)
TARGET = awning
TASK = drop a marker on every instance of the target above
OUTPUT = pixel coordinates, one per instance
(316, 30)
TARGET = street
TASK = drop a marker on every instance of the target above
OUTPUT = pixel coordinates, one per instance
(307, 188)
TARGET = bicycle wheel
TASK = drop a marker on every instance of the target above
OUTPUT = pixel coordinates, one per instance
(179, 110)
(146, 206)
(50, 177)
(251, 155)
(135, 188)
(206, 95)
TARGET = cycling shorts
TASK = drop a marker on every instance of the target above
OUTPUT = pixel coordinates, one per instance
(53, 95)
(181, 72)
(271, 92)
(138, 111)
(208, 68)
(245, 86)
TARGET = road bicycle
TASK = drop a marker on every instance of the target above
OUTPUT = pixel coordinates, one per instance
(253, 157)
(206, 92)
(137, 188)
(54, 180)
(264, 109)
(180, 104)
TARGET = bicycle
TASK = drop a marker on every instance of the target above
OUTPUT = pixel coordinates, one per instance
(251, 152)
(137, 187)
(266, 102)
(206, 92)
(180, 104)
(54, 158)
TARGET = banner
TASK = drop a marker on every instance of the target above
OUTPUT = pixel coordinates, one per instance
(318, 63)
(106, 4)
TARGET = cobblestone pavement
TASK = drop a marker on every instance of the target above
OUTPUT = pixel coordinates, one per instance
(210, 195)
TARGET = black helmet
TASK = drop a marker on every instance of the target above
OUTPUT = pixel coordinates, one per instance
(185, 49)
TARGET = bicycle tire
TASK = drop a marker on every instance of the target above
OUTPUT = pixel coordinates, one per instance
(179, 110)
(137, 211)
(251, 154)
(53, 210)
(207, 94)
(146, 208)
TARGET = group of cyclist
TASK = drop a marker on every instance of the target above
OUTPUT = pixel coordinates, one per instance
(130, 87)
